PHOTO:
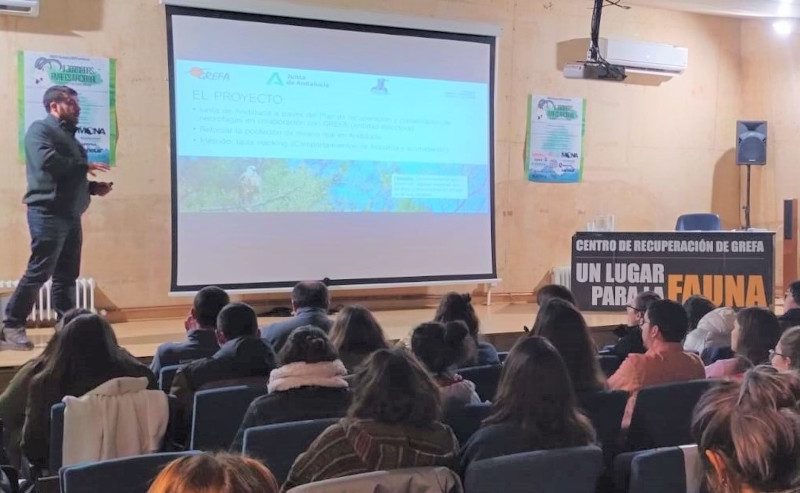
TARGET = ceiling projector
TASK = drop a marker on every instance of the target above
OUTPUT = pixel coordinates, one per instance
(594, 71)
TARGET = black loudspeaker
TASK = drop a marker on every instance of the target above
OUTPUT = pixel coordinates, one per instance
(789, 214)
(751, 143)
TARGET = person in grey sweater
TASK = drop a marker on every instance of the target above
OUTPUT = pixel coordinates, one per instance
(58, 193)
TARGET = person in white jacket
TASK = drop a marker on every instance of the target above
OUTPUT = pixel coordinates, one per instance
(120, 418)
(713, 331)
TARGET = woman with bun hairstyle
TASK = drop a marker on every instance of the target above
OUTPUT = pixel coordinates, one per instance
(442, 348)
(748, 433)
(309, 384)
(455, 306)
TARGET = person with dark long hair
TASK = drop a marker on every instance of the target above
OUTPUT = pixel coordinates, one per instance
(748, 433)
(562, 324)
(455, 306)
(15, 397)
(309, 384)
(755, 333)
(441, 348)
(355, 335)
(534, 409)
(85, 356)
(393, 423)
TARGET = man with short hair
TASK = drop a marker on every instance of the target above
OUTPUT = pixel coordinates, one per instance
(664, 326)
(791, 306)
(310, 306)
(242, 358)
(200, 325)
(630, 334)
(58, 193)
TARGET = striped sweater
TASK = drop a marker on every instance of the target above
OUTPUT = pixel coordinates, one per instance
(355, 446)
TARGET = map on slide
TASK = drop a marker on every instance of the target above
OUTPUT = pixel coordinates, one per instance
(214, 184)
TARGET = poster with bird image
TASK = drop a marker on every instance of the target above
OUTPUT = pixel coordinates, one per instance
(554, 142)
(93, 78)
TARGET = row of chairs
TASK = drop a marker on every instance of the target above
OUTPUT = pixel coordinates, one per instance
(663, 470)
(218, 413)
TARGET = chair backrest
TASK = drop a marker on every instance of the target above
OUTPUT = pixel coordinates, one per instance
(127, 475)
(605, 409)
(413, 480)
(166, 375)
(465, 420)
(666, 470)
(712, 354)
(218, 414)
(663, 413)
(698, 222)
(278, 445)
(545, 471)
(485, 379)
(56, 435)
(608, 363)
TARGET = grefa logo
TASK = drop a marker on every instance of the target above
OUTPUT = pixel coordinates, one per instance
(199, 73)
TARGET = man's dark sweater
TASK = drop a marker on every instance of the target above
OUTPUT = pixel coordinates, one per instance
(56, 165)
(790, 318)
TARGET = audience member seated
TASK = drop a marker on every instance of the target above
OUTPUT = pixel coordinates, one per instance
(551, 291)
(393, 423)
(441, 348)
(697, 306)
(242, 356)
(712, 331)
(562, 324)
(748, 434)
(455, 306)
(630, 334)
(217, 473)
(786, 355)
(355, 335)
(200, 325)
(755, 333)
(309, 384)
(15, 397)
(85, 355)
(535, 407)
(310, 306)
(791, 306)
(663, 328)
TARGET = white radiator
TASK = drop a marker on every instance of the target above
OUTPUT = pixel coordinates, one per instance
(562, 276)
(44, 311)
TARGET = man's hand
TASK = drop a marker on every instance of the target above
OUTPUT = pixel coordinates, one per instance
(94, 167)
(190, 323)
(102, 188)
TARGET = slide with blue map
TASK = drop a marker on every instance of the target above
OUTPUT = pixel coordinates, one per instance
(255, 138)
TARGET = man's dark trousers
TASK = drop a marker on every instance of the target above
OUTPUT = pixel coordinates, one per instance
(56, 242)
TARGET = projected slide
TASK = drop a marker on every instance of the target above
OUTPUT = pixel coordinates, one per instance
(307, 149)
(267, 139)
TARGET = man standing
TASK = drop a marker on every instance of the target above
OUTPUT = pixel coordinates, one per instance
(58, 194)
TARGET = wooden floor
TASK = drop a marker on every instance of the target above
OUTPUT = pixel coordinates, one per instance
(501, 324)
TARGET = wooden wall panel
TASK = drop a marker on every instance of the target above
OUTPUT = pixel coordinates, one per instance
(652, 152)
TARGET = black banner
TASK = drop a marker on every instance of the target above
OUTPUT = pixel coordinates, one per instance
(729, 268)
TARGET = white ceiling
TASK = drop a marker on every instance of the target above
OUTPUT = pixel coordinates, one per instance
(746, 8)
